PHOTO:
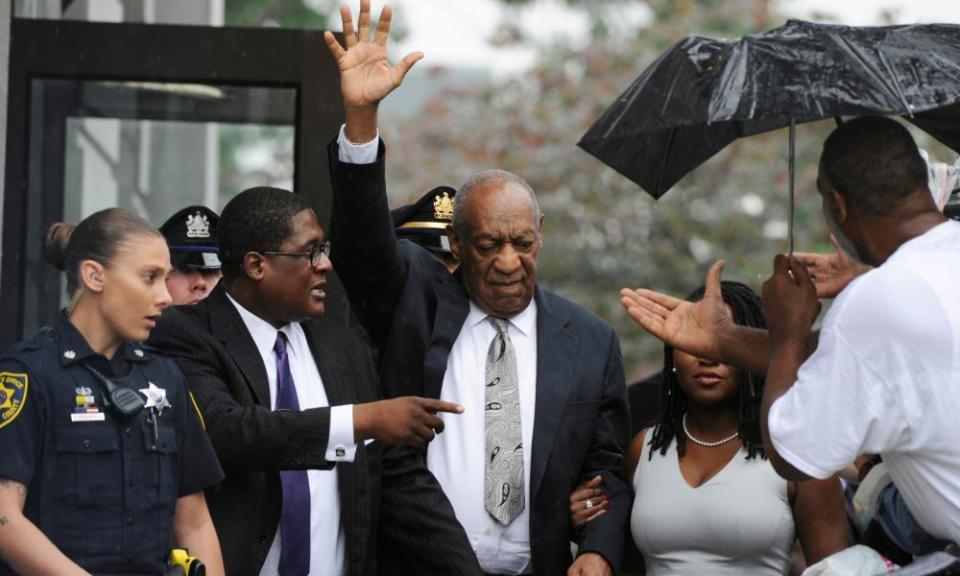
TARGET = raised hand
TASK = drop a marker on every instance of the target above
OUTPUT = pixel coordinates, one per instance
(830, 272)
(789, 301)
(694, 327)
(366, 77)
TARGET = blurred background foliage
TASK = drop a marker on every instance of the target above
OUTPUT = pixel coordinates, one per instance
(602, 232)
(282, 13)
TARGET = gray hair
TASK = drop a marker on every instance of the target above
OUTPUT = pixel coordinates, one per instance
(483, 179)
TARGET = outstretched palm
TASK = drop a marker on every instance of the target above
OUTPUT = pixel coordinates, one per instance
(830, 272)
(693, 327)
(366, 77)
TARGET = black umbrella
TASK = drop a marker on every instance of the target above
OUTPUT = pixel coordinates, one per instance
(703, 93)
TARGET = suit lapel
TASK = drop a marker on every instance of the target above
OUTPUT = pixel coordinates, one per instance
(556, 351)
(227, 326)
(453, 305)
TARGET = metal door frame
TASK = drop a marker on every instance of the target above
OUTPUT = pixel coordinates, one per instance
(73, 50)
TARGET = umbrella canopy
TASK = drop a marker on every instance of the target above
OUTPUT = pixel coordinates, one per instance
(703, 93)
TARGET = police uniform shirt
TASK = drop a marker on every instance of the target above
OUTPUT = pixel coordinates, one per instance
(102, 489)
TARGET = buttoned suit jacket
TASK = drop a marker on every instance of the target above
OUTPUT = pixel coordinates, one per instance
(413, 310)
(384, 485)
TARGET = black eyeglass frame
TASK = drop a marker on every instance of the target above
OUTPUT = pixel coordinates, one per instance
(315, 254)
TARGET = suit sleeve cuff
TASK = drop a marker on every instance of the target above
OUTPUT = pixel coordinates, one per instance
(353, 153)
(341, 447)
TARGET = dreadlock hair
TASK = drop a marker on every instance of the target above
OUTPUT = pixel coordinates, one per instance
(747, 311)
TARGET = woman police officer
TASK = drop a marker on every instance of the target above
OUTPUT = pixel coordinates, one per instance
(104, 458)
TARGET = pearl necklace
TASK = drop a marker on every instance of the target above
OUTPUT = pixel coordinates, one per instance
(703, 443)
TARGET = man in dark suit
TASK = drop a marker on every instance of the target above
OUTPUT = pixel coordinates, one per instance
(289, 400)
(541, 379)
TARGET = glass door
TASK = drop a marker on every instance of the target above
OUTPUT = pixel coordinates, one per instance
(151, 128)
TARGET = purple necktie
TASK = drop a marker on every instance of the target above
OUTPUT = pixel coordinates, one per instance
(295, 511)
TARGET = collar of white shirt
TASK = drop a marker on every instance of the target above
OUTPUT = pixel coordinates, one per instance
(524, 322)
(263, 333)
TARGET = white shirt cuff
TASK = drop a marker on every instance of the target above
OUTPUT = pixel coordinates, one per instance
(341, 446)
(353, 153)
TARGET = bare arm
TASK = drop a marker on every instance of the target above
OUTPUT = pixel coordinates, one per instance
(22, 545)
(193, 529)
(785, 361)
(790, 306)
(820, 518)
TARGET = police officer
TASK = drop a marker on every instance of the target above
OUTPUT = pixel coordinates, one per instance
(191, 236)
(104, 456)
(425, 223)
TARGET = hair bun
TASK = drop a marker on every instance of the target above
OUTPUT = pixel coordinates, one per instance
(56, 243)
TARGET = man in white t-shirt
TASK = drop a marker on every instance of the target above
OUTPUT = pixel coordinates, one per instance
(883, 374)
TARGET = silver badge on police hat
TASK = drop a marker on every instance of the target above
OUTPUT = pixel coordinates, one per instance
(198, 226)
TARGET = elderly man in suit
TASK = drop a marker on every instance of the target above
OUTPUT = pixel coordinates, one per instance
(540, 378)
(289, 400)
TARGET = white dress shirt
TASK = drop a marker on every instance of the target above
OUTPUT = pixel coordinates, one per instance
(457, 456)
(327, 541)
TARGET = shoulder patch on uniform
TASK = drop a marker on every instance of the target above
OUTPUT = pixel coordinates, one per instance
(13, 393)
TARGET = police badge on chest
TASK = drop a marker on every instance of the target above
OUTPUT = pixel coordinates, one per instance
(86, 409)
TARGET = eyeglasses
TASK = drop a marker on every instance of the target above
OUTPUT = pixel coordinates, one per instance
(315, 254)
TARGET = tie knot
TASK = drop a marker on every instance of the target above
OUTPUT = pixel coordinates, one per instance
(500, 324)
(280, 346)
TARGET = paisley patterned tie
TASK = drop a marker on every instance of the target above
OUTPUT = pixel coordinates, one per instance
(503, 478)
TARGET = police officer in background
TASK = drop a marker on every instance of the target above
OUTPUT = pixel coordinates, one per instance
(191, 236)
(104, 456)
(425, 223)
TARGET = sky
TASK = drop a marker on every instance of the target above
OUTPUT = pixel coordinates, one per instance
(457, 32)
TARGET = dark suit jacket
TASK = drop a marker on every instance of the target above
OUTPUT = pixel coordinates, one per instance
(387, 485)
(413, 310)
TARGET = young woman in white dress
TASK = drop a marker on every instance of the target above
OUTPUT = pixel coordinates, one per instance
(706, 499)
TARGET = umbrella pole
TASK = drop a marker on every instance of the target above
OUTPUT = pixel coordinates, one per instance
(791, 163)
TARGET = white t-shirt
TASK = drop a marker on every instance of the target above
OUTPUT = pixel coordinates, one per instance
(885, 379)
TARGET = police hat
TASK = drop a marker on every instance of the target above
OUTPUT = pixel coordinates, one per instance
(191, 236)
(425, 221)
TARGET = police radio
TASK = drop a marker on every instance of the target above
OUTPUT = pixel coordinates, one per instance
(123, 402)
